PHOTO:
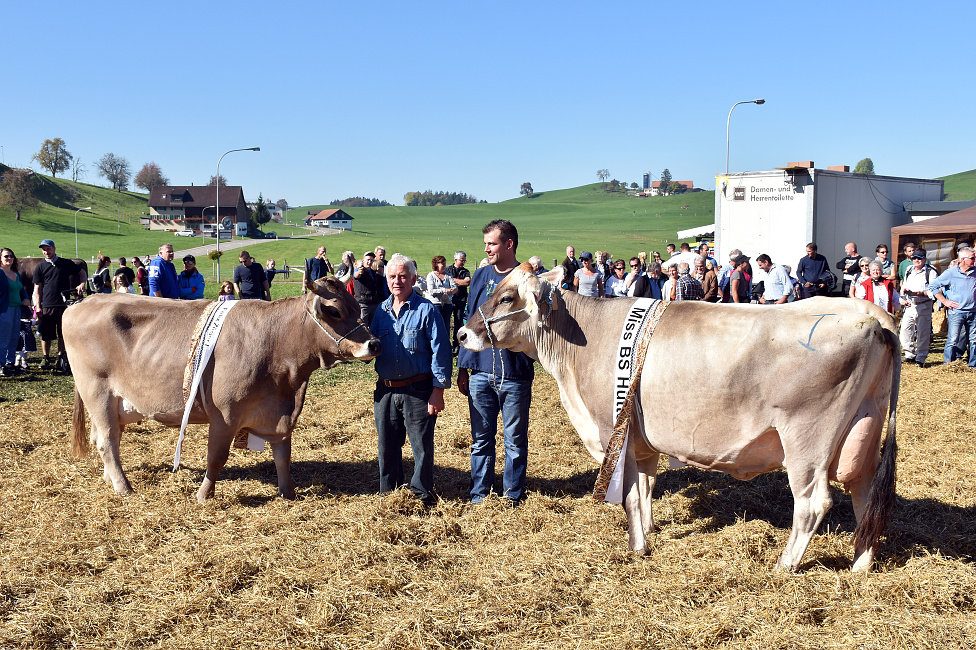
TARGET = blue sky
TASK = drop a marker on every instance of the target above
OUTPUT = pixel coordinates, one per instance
(381, 98)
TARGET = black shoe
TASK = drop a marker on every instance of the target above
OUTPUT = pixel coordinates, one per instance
(921, 364)
(46, 364)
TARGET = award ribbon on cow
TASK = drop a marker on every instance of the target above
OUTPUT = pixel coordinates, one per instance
(202, 345)
(635, 335)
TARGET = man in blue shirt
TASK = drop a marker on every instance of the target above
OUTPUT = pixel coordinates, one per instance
(956, 289)
(162, 275)
(810, 273)
(251, 281)
(501, 381)
(414, 368)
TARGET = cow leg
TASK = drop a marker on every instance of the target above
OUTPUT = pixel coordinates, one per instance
(647, 476)
(282, 458)
(811, 501)
(106, 434)
(638, 484)
(218, 449)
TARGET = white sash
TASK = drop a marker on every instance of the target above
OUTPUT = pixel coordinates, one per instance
(208, 341)
(624, 373)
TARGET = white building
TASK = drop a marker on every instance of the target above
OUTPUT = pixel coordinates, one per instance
(778, 212)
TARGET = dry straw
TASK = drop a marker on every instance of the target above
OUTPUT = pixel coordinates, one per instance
(341, 567)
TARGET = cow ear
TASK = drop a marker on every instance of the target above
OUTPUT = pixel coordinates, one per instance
(555, 276)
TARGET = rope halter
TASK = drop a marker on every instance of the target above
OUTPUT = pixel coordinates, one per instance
(337, 341)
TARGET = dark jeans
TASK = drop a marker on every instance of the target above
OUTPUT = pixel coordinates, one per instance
(458, 323)
(401, 413)
(487, 396)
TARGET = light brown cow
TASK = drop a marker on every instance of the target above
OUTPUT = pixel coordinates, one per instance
(128, 354)
(802, 386)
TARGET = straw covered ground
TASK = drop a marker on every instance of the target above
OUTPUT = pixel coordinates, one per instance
(341, 567)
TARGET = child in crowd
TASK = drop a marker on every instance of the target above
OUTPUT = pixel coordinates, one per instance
(122, 284)
(226, 291)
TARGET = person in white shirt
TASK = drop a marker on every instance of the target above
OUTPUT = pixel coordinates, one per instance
(879, 290)
(916, 321)
(685, 256)
(777, 285)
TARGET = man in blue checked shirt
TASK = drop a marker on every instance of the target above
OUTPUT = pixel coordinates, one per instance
(956, 289)
(414, 368)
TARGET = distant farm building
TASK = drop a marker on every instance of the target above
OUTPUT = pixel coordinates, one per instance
(335, 218)
(177, 207)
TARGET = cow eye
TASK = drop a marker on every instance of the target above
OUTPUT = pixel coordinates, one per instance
(506, 299)
(331, 312)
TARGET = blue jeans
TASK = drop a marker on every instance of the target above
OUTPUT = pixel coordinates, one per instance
(486, 397)
(9, 333)
(400, 413)
(962, 324)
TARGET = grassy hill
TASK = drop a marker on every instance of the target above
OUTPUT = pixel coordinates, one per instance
(112, 226)
(961, 186)
(586, 217)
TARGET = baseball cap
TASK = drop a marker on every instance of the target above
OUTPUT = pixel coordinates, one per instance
(587, 255)
(47, 242)
(919, 254)
(189, 258)
(369, 254)
(740, 259)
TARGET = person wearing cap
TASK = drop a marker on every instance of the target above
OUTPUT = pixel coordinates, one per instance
(956, 290)
(190, 280)
(413, 370)
(52, 279)
(249, 279)
(916, 320)
(739, 280)
(588, 281)
(163, 282)
(367, 285)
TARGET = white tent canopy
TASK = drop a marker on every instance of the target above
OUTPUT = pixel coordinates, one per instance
(695, 232)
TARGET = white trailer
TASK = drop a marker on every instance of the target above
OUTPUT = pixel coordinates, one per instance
(779, 212)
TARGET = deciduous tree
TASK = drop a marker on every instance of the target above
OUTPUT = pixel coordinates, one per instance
(78, 170)
(53, 156)
(634, 186)
(282, 204)
(865, 166)
(149, 176)
(17, 190)
(116, 170)
(526, 189)
(214, 181)
(603, 175)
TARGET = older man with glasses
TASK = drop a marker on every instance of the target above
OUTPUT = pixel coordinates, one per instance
(956, 290)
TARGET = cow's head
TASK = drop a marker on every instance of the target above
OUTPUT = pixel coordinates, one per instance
(336, 313)
(520, 304)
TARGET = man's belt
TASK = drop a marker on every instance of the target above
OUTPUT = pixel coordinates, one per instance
(400, 383)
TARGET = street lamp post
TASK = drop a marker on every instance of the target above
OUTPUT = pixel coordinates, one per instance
(728, 122)
(203, 222)
(76, 229)
(217, 201)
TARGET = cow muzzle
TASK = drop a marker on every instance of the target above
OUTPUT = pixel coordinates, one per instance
(470, 340)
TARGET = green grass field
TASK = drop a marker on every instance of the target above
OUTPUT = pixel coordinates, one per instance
(586, 217)
(961, 186)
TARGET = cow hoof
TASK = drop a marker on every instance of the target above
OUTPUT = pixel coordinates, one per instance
(864, 563)
(206, 492)
(287, 494)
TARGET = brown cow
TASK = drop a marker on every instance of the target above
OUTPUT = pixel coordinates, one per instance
(128, 354)
(26, 266)
(802, 386)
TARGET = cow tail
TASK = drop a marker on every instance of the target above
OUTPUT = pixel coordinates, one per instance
(881, 496)
(80, 442)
